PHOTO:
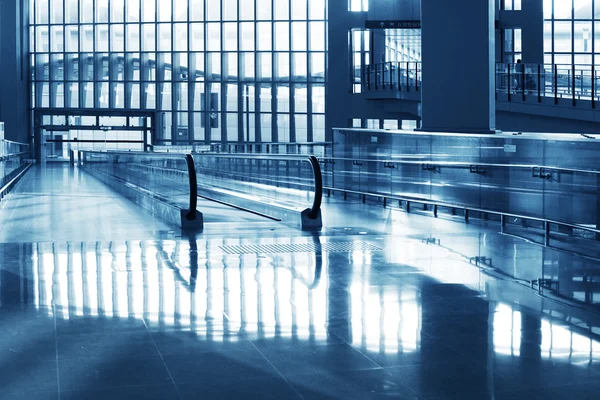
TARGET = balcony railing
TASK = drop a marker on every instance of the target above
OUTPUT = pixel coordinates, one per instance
(400, 76)
(517, 81)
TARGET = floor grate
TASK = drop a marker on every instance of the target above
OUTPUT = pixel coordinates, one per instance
(299, 248)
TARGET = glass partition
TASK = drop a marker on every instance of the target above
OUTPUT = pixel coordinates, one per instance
(13, 160)
(552, 177)
(289, 182)
(162, 176)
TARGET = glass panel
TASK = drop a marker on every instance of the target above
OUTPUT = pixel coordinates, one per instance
(148, 10)
(133, 10)
(164, 10)
(246, 36)
(264, 12)
(229, 11)
(56, 12)
(181, 9)
(265, 66)
(181, 37)
(563, 9)
(213, 10)
(282, 10)
(582, 9)
(101, 37)
(247, 9)
(264, 36)
(299, 9)
(282, 63)
(197, 37)
(148, 37)
(133, 37)
(41, 11)
(72, 38)
(86, 37)
(583, 37)
(57, 38)
(164, 37)
(214, 37)
(229, 36)
(117, 38)
(197, 10)
(101, 11)
(317, 36)
(300, 66)
(117, 10)
(282, 36)
(562, 37)
(317, 9)
(298, 36)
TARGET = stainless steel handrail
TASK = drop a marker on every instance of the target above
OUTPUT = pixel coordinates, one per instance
(457, 164)
(12, 155)
(13, 142)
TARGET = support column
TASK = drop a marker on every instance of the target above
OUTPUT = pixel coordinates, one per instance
(458, 91)
(14, 70)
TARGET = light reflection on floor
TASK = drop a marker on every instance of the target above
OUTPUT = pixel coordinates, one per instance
(194, 286)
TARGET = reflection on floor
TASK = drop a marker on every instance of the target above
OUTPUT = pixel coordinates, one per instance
(380, 304)
(391, 317)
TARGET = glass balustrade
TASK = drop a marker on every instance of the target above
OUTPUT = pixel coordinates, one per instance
(557, 81)
(162, 176)
(289, 182)
(13, 159)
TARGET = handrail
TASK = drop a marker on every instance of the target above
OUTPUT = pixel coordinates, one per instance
(11, 155)
(193, 182)
(191, 215)
(13, 142)
(466, 208)
(136, 153)
(458, 164)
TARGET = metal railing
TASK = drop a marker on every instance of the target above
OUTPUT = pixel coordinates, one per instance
(365, 170)
(319, 149)
(245, 181)
(400, 76)
(13, 164)
(518, 81)
(570, 82)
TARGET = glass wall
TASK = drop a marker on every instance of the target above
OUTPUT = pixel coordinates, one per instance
(572, 32)
(215, 71)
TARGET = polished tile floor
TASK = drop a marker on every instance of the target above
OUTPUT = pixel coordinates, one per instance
(380, 304)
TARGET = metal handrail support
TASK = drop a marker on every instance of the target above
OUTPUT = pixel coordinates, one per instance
(467, 210)
(191, 215)
(316, 207)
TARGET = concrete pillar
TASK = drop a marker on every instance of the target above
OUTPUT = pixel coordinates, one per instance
(458, 42)
(14, 70)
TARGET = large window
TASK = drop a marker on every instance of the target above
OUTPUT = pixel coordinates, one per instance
(572, 32)
(216, 71)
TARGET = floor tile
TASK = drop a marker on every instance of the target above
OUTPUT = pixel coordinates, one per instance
(274, 388)
(218, 365)
(149, 392)
(325, 359)
(114, 370)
